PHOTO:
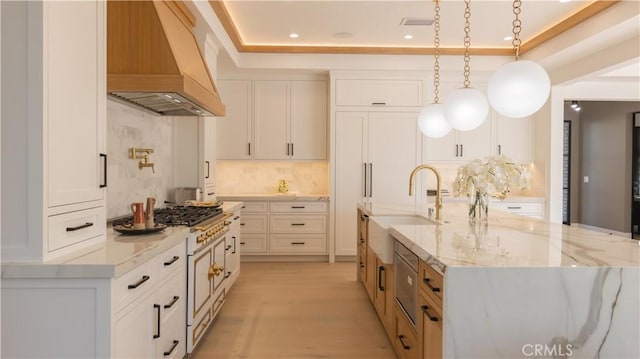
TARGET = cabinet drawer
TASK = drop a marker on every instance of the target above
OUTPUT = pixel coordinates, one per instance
(431, 282)
(401, 93)
(217, 303)
(255, 207)
(298, 207)
(298, 243)
(253, 223)
(253, 243)
(518, 207)
(172, 299)
(171, 260)
(132, 285)
(200, 327)
(298, 223)
(405, 339)
(75, 227)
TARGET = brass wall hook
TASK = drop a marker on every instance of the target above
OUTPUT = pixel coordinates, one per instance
(142, 154)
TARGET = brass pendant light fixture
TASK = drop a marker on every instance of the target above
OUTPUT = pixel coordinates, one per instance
(431, 119)
(466, 108)
(521, 87)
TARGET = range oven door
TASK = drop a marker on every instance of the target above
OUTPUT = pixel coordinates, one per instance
(406, 287)
(205, 278)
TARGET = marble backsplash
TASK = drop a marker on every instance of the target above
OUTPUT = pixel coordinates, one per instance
(262, 177)
(129, 127)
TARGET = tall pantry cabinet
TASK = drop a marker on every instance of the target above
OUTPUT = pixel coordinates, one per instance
(53, 127)
(376, 144)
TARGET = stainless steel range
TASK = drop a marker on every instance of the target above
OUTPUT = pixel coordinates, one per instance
(206, 248)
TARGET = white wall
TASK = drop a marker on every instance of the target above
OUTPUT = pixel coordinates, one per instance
(129, 127)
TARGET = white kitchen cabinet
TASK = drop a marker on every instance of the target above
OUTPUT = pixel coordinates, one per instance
(232, 248)
(534, 209)
(375, 153)
(274, 120)
(459, 146)
(103, 317)
(378, 92)
(514, 137)
(234, 129)
(152, 322)
(53, 127)
(280, 227)
(196, 154)
(208, 156)
(271, 120)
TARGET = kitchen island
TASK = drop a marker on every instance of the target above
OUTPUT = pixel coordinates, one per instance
(519, 287)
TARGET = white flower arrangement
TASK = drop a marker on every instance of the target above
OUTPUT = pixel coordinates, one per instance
(495, 176)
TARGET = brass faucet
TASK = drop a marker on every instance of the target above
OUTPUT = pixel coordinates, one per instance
(142, 154)
(438, 195)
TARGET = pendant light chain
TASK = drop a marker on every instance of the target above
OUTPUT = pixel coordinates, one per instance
(436, 56)
(517, 26)
(467, 42)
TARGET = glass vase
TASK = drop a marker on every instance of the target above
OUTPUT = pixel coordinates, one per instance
(478, 208)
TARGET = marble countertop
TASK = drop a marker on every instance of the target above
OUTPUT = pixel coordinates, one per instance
(112, 258)
(507, 240)
(292, 196)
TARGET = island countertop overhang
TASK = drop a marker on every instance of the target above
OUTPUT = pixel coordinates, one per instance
(507, 240)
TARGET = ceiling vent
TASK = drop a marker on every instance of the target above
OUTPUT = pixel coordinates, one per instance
(416, 21)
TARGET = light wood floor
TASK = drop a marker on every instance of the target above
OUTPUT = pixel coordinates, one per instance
(296, 310)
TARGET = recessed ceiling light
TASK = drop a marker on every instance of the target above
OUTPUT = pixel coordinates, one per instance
(408, 37)
(508, 38)
(293, 35)
(564, 0)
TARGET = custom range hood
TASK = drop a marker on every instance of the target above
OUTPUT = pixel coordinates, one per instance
(153, 59)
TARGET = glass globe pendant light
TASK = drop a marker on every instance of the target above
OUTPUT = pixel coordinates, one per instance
(518, 88)
(431, 120)
(466, 107)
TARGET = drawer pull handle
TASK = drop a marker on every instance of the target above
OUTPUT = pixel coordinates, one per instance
(242, 243)
(405, 346)
(427, 281)
(297, 242)
(211, 193)
(361, 265)
(236, 217)
(71, 229)
(157, 306)
(173, 260)
(378, 103)
(227, 247)
(173, 347)
(242, 224)
(139, 283)
(104, 171)
(173, 301)
(425, 309)
(380, 286)
(297, 207)
(228, 275)
(297, 224)
(515, 207)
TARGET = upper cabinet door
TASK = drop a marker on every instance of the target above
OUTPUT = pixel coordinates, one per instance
(514, 137)
(271, 120)
(74, 100)
(309, 120)
(234, 129)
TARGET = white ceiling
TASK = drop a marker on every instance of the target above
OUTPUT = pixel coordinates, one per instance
(377, 22)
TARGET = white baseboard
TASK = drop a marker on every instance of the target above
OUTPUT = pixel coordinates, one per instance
(603, 230)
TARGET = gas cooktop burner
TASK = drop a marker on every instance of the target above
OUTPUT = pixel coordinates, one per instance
(179, 216)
